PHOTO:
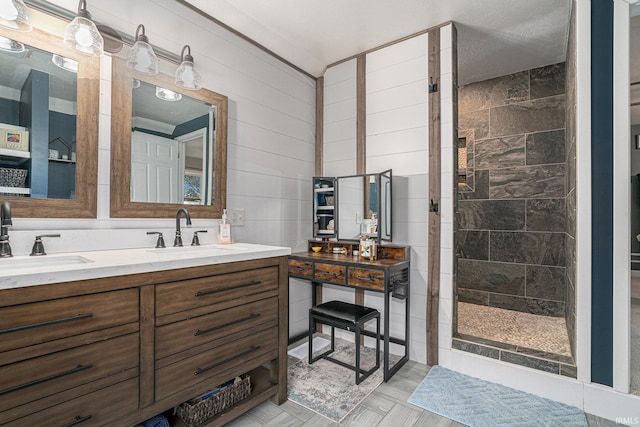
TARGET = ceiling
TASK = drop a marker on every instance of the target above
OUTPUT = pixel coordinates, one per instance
(495, 37)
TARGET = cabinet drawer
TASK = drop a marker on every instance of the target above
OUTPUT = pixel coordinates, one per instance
(366, 277)
(39, 377)
(329, 273)
(179, 336)
(190, 294)
(102, 407)
(217, 363)
(38, 322)
(300, 268)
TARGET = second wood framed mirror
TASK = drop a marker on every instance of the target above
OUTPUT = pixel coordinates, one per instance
(168, 147)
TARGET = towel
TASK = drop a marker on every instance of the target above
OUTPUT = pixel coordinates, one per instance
(157, 421)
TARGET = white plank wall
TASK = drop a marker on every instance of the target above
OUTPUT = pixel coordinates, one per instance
(339, 145)
(398, 139)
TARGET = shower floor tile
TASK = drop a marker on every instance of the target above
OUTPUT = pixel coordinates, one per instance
(530, 331)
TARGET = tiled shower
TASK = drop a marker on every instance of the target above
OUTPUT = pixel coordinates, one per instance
(516, 204)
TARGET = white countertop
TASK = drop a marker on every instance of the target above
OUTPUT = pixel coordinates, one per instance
(22, 271)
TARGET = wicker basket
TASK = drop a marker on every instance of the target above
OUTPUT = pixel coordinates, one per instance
(195, 413)
(10, 177)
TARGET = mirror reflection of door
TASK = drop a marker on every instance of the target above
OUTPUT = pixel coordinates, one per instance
(194, 154)
(155, 168)
(172, 147)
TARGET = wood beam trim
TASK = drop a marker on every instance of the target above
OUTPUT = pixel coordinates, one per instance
(433, 268)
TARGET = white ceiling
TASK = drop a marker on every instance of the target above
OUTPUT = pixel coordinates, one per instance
(495, 37)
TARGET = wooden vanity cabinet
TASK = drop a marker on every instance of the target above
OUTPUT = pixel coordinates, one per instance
(120, 350)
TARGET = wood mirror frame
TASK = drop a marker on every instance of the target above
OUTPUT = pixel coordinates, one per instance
(85, 203)
(121, 108)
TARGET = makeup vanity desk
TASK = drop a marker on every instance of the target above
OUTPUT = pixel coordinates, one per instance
(388, 274)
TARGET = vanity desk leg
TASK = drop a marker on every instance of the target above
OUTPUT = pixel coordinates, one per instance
(316, 298)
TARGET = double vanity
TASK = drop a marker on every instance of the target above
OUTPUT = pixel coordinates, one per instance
(115, 337)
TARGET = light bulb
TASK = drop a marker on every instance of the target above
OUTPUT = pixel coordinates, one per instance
(83, 37)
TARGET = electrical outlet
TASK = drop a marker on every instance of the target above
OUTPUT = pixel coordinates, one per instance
(236, 217)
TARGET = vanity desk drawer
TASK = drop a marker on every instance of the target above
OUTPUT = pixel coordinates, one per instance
(29, 324)
(299, 268)
(221, 290)
(366, 278)
(329, 273)
(179, 336)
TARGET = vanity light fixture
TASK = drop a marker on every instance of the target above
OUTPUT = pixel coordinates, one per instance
(11, 46)
(186, 75)
(82, 34)
(15, 15)
(65, 63)
(141, 56)
(168, 95)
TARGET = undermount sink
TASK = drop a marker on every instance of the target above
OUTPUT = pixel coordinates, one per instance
(42, 261)
(187, 249)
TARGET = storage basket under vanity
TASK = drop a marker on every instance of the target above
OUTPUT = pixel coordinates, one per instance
(194, 413)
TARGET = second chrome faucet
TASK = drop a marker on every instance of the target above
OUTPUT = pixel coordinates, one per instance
(178, 240)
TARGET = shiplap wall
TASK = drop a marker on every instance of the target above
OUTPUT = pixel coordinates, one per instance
(271, 136)
(396, 138)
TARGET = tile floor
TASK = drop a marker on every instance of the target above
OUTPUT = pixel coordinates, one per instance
(544, 333)
(386, 407)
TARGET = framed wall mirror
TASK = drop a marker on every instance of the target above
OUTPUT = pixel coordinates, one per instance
(364, 206)
(168, 147)
(49, 97)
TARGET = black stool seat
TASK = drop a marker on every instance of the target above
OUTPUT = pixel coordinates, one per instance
(345, 311)
(351, 317)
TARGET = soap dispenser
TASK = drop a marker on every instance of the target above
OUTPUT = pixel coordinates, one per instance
(224, 235)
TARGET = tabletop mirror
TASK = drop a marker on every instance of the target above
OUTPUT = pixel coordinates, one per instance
(364, 206)
(168, 147)
(49, 97)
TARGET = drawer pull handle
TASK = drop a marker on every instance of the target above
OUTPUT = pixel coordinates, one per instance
(295, 267)
(47, 323)
(215, 291)
(77, 369)
(234, 322)
(215, 365)
(77, 421)
(328, 273)
(369, 278)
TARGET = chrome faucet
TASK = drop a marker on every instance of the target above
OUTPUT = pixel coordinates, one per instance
(178, 239)
(5, 222)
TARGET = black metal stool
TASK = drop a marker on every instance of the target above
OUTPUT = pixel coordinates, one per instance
(350, 317)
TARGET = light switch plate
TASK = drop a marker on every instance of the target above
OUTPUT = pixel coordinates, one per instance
(236, 217)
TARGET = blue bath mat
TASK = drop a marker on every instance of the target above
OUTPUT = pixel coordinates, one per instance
(479, 403)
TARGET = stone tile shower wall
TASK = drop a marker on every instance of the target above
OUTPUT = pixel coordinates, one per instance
(512, 216)
(570, 242)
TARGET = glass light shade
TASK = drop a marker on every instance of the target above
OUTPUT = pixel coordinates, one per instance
(142, 58)
(188, 77)
(12, 46)
(81, 34)
(15, 15)
(168, 95)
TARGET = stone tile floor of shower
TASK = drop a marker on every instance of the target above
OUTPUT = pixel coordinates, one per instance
(539, 342)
